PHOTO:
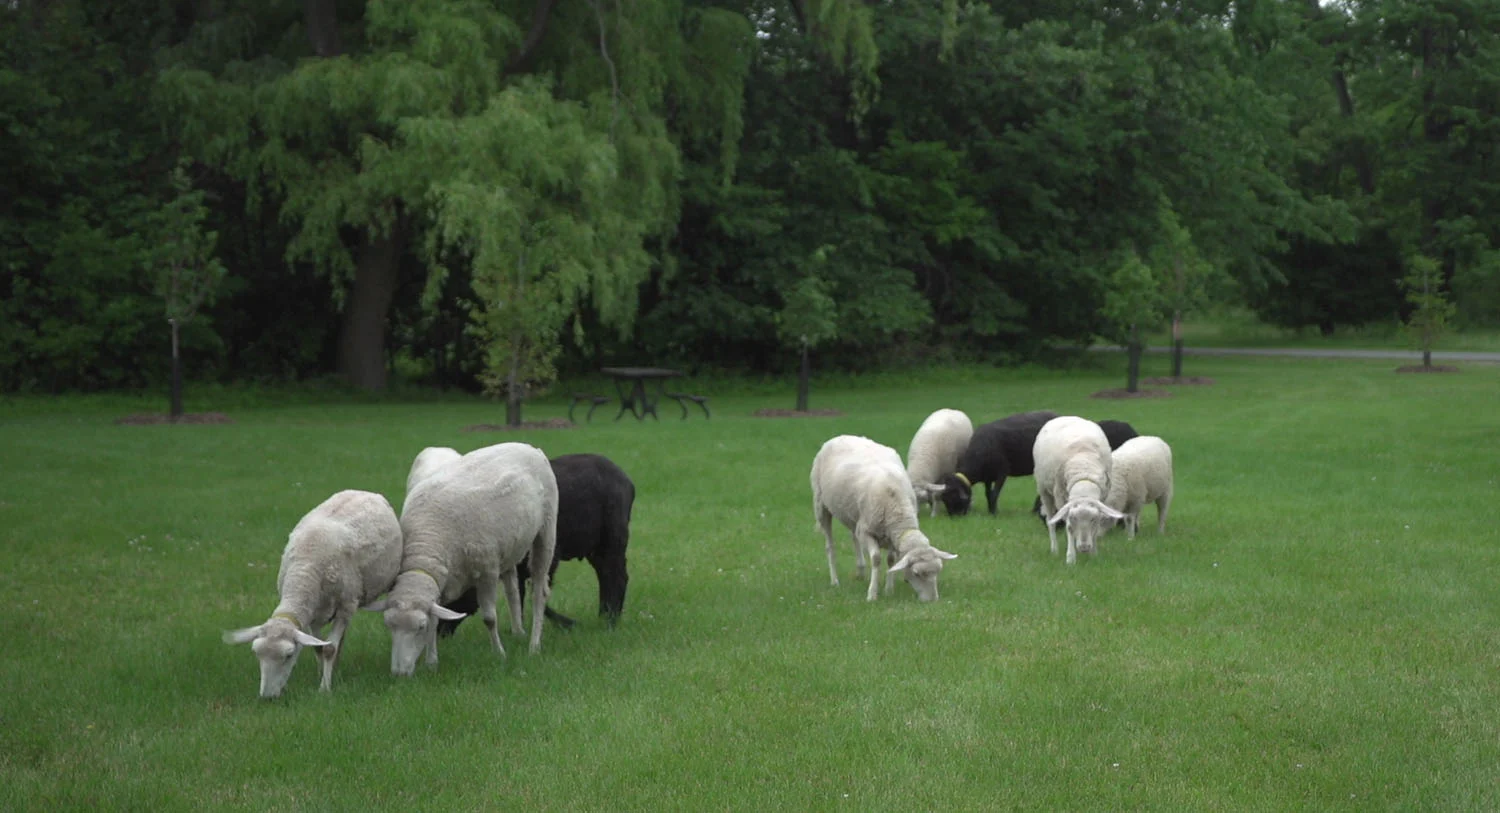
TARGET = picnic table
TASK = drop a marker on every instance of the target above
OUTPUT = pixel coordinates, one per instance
(630, 384)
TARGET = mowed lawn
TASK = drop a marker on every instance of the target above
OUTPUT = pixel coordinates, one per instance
(1319, 629)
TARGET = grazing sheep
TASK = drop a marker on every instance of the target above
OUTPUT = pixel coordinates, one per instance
(469, 524)
(594, 500)
(999, 449)
(342, 554)
(1141, 473)
(864, 486)
(428, 461)
(1072, 476)
(1116, 432)
(934, 452)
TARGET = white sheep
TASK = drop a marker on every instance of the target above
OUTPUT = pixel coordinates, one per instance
(934, 452)
(428, 461)
(342, 554)
(863, 484)
(469, 524)
(1072, 476)
(1141, 473)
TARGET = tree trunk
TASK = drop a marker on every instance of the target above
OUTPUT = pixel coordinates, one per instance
(1133, 374)
(513, 388)
(322, 20)
(361, 358)
(1177, 344)
(803, 374)
(1426, 357)
(176, 396)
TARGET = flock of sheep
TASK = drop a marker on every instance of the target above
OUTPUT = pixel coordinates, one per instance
(500, 515)
(1089, 476)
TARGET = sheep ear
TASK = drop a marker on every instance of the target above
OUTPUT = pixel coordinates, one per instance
(446, 614)
(308, 640)
(242, 636)
(1110, 512)
(379, 605)
(936, 489)
(900, 565)
(1062, 514)
(942, 554)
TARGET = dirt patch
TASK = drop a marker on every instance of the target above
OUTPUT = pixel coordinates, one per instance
(1123, 393)
(1436, 368)
(550, 423)
(1187, 380)
(792, 413)
(155, 418)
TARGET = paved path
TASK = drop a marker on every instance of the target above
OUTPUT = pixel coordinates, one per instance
(1438, 356)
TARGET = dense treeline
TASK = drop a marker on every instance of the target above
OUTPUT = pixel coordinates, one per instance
(489, 193)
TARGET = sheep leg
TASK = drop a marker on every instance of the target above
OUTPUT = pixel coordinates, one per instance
(612, 576)
(542, 550)
(872, 548)
(1048, 509)
(890, 575)
(1132, 521)
(432, 636)
(825, 524)
(489, 591)
(328, 656)
(513, 600)
(1072, 549)
(992, 492)
(1161, 513)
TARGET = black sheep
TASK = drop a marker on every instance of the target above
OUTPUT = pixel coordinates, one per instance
(999, 449)
(594, 498)
(1116, 432)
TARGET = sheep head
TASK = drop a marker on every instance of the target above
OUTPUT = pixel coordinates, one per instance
(276, 645)
(411, 614)
(1087, 519)
(920, 567)
(927, 492)
(957, 493)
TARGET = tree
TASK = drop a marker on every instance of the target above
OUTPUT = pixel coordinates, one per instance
(808, 317)
(1132, 304)
(1431, 310)
(182, 261)
(1188, 281)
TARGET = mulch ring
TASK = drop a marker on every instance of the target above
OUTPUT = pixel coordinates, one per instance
(792, 413)
(155, 418)
(1435, 368)
(550, 423)
(1167, 381)
(1123, 393)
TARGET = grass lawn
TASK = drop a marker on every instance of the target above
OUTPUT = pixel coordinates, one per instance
(1319, 629)
(1241, 328)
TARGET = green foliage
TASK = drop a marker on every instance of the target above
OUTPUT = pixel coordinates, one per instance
(808, 315)
(1134, 299)
(1431, 311)
(181, 255)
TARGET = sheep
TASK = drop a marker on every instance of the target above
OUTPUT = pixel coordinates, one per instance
(469, 524)
(595, 497)
(342, 554)
(863, 485)
(1072, 476)
(1116, 432)
(934, 451)
(428, 461)
(999, 449)
(1141, 473)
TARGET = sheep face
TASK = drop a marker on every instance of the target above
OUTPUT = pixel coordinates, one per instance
(276, 645)
(956, 494)
(920, 568)
(1087, 520)
(412, 627)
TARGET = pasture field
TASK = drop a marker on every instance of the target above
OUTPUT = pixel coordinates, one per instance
(1319, 629)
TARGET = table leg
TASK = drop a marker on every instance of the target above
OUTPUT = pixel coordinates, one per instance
(626, 399)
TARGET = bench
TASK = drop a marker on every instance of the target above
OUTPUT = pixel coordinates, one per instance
(683, 397)
(595, 401)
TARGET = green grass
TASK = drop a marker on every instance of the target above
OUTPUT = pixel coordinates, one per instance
(1318, 629)
(1241, 328)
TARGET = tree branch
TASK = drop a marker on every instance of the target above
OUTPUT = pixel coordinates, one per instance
(520, 61)
(322, 19)
(614, 79)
